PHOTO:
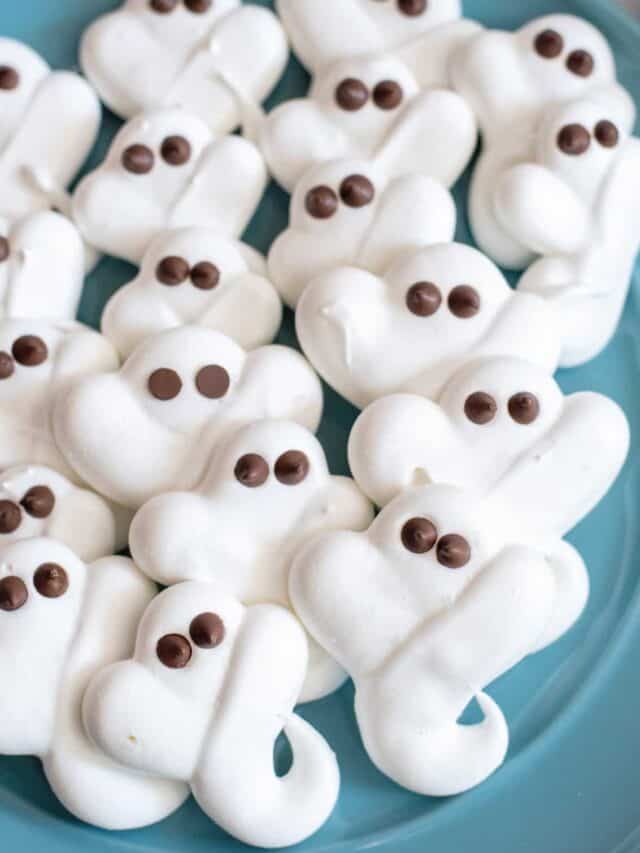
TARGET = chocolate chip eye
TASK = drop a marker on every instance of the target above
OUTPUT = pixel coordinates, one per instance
(207, 630)
(464, 301)
(321, 202)
(176, 150)
(30, 351)
(7, 365)
(413, 8)
(205, 276)
(51, 580)
(172, 271)
(424, 299)
(10, 517)
(549, 44)
(581, 63)
(480, 408)
(251, 470)
(607, 134)
(13, 594)
(138, 159)
(524, 408)
(352, 95)
(574, 140)
(357, 191)
(213, 381)
(419, 535)
(292, 468)
(9, 78)
(5, 249)
(163, 7)
(198, 7)
(39, 502)
(174, 651)
(453, 551)
(388, 95)
(164, 384)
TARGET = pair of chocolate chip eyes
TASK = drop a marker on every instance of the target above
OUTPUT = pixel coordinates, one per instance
(211, 381)
(352, 95)
(27, 350)
(50, 580)
(38, 502)
(174, 271)
(164, 7)
(206, 631)
(139, 159)
(420, 536)
(411, 8)
(355, 191)
(549, 44)
(9, 78)
(481, 408)
(291, 468)
(425, 298)
(575, 139)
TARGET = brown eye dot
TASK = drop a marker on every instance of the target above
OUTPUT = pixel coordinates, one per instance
(464, 301)
(39, 502)
(13, 594)
(357, 191)
(9, 78)
(480, 408)
(176, 150)
(30, 350)
(607, 134)
(352, 95)
(10, 517)
(524, 408)
(174, 651)
(292, 468)
(172, 271)
(199, 7)
(388, 95)
(574, 140)
(549, 44)
(213, 381)
(138, 159)
(205, 276)
(163, 7)
(164, 384)
(207, 630)
(453, 551)
(5, 249)
(419, 535)
(413, 8)
(51, 580)
(580, 62)
(321, 202)
(7, 365)
(424, 299)
(251, 470)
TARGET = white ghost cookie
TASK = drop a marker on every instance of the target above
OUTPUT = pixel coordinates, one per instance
(61, 621)
(150, 427)
(206, 56)
(209, 689)
(412, 329)
(362, 107)
(165, 169)
(430, 604)
(511, 80)
(39, 359)
(266, 491)
(357, 213)
(195, 276)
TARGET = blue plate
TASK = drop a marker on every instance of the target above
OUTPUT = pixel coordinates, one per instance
(572, 777)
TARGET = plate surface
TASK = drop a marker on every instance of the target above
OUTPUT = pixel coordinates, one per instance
(572, 777)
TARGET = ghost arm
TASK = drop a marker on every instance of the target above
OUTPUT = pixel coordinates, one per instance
(133, 314)
(230, 313)
(429, 55)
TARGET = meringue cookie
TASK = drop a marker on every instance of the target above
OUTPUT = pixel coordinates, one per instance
(195, 276)
(433, 312)
(201, 55)
(209, 689)
(357, 213)
(359, 108)
(430, 604)
(39, 360)
(267, 490)
(511, 80)
(61, 621)
(165, 169)
(150, 427)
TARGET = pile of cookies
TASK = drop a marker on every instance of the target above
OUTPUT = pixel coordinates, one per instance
(184, 433)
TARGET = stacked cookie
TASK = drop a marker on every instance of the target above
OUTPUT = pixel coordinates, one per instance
(184, 433)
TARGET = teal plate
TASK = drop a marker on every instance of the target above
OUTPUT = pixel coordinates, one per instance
(572, 778)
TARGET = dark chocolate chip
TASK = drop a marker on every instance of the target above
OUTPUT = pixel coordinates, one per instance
(163, 6)
(9, 78)
(39, 501)
(165, 384)
(30, 350)
(213, 381)
(321, 202)
(5, 249)
(607, 134)
(453, 551)
(176, 150)
(549, 44)
(7, 365)
(464, 301)
(352, 95)
(10, 517)
(424, 299)
(138, 159)
(51, 580)
(524, 408)
(292, 467)
(207, 630)
(357, 191)
(580, 62)
(413, 8)
(198, 7)
(205, 276)
(13, 593)
(174, 651)
(172, 271)
(419, 535)
(480, 408)
(251, 470)
(388, 95)
(574, 140)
